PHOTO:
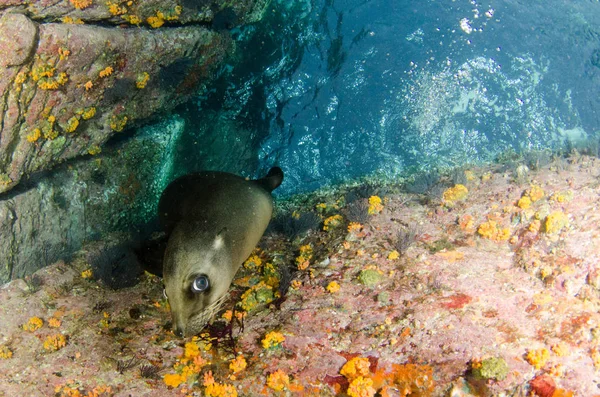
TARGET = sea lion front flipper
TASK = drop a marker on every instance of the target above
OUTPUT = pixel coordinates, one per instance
(272, 180)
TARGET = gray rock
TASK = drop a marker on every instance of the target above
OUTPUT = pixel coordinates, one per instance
(54, 216)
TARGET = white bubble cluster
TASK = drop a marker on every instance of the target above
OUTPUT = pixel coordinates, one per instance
(465, 25)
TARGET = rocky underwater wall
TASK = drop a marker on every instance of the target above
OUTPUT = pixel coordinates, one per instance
(73, 75)
(328, 90)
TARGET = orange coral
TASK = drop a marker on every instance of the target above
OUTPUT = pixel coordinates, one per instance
(220, 390)
(393, 255)
(191, 350)
(69, 20)
(88, 113)
(537, 357)
(115, 9)
(107, 71)
(354, 227)
(278, 380)
(117, 123)
(355, 367)
(63, 53)
(375, 205)
(188, 365)
(81, 4)
(466, 223)
(142, 80)
(33, 324)
(53, 83)
(361, 387)
(562, 197)
(94, 150)
(535, 193)
(492, 231)
(173, 380)
(332, 222)
(524, 202)
(5, 352)
(457, 193)
(555, 222)
(303, 260)
(253, 263)
(535, 226)
(238, 364)
(562, 393)
(272, 339)
(228, 315)
(72, 124)
(414, 380)
(34, 135)
(321, 207)
(333, 287)
(55, 342)
(155, 21)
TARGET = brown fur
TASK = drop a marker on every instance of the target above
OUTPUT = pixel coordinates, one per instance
(214, 221)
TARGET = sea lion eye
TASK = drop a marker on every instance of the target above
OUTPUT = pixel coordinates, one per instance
(200, 284)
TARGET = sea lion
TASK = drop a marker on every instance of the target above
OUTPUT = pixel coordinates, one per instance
(213, 221)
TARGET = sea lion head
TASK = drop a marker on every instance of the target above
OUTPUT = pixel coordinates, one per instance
(197, 272)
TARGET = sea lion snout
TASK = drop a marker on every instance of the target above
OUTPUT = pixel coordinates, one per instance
(178, 331)
(197, 276)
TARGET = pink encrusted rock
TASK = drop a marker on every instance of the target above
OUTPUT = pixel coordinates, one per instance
(445, 313)
(17, 39)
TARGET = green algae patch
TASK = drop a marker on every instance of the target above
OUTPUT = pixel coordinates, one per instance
(383, 298)
(370, 277)
(491, 368)
(259, 294)
(440, 245)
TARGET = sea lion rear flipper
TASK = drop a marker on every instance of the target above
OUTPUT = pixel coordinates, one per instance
(272, 180)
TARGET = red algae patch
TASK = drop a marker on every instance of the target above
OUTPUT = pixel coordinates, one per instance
(493, 291)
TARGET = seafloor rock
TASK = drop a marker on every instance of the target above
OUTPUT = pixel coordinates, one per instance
(74, 73)
(467, 315)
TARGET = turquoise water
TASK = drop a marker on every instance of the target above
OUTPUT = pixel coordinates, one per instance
(333, 90)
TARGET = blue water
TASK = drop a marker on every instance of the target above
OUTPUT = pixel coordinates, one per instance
(351, 88)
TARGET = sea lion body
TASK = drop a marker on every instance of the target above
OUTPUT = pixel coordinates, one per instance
(214, 221)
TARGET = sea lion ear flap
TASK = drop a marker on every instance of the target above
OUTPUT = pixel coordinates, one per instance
(220, 239)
